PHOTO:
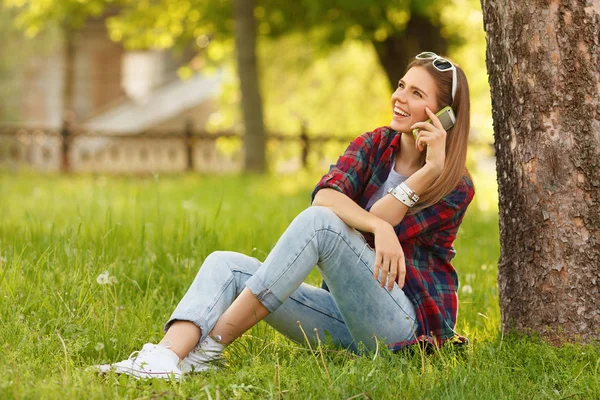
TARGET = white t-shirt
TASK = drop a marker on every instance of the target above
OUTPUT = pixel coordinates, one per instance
(393, 180)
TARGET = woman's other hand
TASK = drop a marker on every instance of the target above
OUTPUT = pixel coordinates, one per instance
(389, 257)
(433, 137)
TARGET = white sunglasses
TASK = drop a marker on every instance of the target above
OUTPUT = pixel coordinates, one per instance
(441, 64)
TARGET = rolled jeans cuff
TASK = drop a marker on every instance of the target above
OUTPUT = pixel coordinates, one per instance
(263, 293)
(199, 322)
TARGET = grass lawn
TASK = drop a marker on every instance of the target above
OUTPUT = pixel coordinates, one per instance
(59, 234)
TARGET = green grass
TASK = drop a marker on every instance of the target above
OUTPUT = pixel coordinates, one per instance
(58, 234)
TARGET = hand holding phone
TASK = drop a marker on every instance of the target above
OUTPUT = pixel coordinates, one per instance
(446, 117)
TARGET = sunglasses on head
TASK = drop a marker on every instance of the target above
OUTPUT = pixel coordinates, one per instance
(441, 64)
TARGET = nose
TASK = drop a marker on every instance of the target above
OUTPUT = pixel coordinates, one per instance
(400, 95)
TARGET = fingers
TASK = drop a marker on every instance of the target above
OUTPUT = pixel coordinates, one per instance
(392, 276)
(423, 126)
(391, 270)
(397, 273)
(436, 121)
(424, 139)
(421, 143)
(428, 134)
(385, 267)
(377, 267)
(401, 272)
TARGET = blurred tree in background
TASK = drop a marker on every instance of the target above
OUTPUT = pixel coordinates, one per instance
(254, 125)
(329, 64)
(396, 30)
(321, 63)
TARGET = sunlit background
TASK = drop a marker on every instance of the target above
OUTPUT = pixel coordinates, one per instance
(139, 76)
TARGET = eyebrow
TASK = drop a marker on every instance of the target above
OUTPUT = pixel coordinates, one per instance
(414, 87)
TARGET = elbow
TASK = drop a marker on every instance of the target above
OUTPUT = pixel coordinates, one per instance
(318, 200)
(323, 198)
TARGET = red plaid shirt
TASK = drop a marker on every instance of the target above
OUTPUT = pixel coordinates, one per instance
(426, 237)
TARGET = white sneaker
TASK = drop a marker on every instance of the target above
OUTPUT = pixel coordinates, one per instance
(153, 361)
(206, 356)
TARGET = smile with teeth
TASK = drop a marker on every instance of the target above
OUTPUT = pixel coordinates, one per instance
(399, 111)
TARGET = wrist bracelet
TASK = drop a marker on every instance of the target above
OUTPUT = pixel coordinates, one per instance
(411, 193)
(402, 197)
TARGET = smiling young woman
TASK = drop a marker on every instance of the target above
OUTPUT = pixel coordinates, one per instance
(380, 230)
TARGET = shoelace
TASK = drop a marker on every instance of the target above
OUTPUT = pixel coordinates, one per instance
(146, 349)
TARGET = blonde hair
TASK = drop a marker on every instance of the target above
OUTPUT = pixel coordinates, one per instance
(457, 138)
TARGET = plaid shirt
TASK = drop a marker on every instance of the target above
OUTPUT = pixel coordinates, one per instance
(426, 237)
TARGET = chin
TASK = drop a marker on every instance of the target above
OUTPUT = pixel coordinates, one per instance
(397, 127)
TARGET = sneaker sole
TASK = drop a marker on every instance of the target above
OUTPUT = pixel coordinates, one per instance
(107, 368)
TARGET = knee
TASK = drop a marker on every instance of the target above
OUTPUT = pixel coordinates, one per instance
(230, 262)
(217, 259)
(216, 256)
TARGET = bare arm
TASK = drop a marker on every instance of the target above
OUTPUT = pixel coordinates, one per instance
(389, 209)
(389, 257)
(348, 211)
(432, 137)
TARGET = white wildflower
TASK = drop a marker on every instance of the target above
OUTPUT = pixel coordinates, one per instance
(467, 289)
(102, 279)
(188, 205)
(99, 346)
(106, 279)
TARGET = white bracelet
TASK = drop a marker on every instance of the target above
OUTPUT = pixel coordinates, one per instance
(411, 193)
(401, 196)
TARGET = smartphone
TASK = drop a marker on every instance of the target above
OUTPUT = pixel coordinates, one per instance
(446, 116)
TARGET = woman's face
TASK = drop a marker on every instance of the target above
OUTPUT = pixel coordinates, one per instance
(416, 90)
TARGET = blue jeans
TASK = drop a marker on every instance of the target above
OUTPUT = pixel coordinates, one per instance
(355, 309)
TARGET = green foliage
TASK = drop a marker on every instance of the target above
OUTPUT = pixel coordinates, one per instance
(59, 234)
(343, 94)
(317, 63)
(322, 64)
(36, 15)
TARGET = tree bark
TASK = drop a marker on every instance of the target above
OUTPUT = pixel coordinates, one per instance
(543, 60)
(245, 41)
(395, 52)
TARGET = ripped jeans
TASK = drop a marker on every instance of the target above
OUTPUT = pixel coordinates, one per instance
(355, 309)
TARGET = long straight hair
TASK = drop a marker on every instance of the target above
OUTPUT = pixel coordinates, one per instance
(457, 136)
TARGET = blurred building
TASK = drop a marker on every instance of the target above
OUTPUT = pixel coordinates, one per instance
(117, 94)
(115, 89)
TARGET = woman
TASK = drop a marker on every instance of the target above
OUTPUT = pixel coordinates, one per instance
(407, 194)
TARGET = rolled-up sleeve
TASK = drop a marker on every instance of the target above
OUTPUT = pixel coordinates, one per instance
(348, 174)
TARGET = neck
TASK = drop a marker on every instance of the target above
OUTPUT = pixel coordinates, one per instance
(408, 159)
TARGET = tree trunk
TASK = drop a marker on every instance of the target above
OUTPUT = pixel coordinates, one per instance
(68, 117)
(245, 41)
(68, 75)
(543, 60)
(395, 52)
